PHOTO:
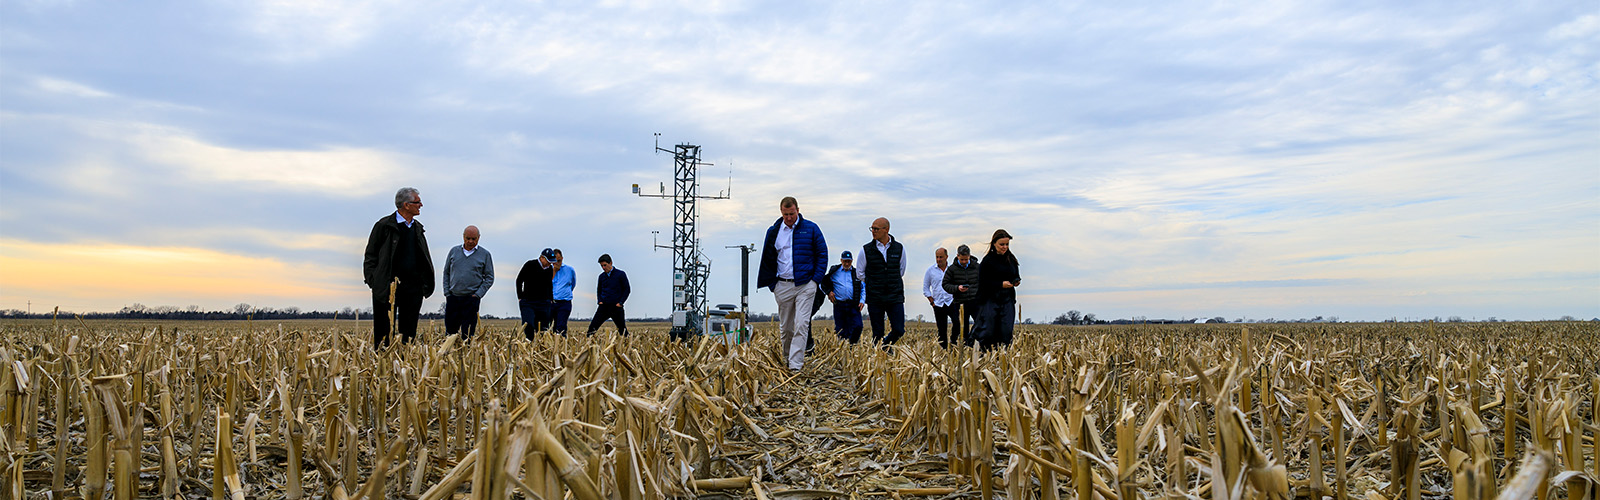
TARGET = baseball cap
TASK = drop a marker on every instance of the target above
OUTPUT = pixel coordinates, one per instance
(845, 255)
(548, 254)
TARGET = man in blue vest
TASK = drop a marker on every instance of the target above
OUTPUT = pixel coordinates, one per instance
(793, 257)
(844, 291)
(883, 271)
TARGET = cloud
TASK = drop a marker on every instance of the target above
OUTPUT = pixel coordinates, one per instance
(308, 29)
(106, 276)
(1392, 154)
(70, 88)
(339, 171)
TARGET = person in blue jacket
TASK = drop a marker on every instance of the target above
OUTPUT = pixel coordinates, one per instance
(846, 293)
(610, 290)
(794, 256)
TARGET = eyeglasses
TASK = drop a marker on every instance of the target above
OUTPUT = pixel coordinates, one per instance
(417, 203)
(875, 228)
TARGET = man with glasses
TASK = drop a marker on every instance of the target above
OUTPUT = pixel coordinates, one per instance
(883, 271)
(397, 257)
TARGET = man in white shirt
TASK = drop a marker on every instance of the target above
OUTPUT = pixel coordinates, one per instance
(944, 311)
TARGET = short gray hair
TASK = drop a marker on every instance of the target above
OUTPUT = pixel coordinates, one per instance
(405, 194)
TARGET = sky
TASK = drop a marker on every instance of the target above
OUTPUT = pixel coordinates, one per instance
(1278, 159)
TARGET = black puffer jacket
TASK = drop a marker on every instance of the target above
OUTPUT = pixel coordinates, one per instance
(383, 244)
(998, 268)
(955, 275)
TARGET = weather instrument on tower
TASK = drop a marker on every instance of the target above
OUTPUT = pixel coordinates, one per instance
(689, 265)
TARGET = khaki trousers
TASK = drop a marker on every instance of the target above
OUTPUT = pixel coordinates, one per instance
(794, 319)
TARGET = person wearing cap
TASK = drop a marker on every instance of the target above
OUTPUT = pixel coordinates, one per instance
(610, 290)
(534, 292)
(794, 256)
(468, 274)
(961, 282)
(397, 259)
(845, 293)
(563, 280)
(883, 271)
(944, 311)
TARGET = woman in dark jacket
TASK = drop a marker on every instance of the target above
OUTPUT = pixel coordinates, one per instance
(998, 277)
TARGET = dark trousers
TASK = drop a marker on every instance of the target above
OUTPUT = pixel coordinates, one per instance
(944, 316)
(461, 315)
(996, 323)
(560, 310)
(897, 321)
(535, 316)
(612, 312)
(968, 317)
(847, 320)
(407, 305)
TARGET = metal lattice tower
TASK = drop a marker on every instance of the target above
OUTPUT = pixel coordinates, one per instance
(690, 267)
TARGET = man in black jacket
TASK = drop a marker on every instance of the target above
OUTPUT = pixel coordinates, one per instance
(611, 290)
(397, 257)
(882, 271)
(961, 280)
(534, 293)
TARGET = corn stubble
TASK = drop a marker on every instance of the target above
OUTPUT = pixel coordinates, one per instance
(1365, 411)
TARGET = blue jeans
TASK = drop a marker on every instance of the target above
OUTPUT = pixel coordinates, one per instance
(897, 321)
(535, 316)
(847, 320)
(560, 310)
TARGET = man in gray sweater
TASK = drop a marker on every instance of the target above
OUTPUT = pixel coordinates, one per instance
(468, 274)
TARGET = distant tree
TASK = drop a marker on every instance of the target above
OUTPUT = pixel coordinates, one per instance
(1568, 318)
(1028, 321)
(242, 309)
(1061, 320)
(1089, 319)
(1456, 319)
(291, 310)
(1218, 319)
(1333, 319)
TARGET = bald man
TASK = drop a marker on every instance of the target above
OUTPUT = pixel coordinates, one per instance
(882, 270)
(468, 274)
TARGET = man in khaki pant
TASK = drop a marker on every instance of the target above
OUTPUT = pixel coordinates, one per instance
(794, 257)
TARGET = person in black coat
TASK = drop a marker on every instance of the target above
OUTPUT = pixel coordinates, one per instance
(611, 290)
(534, 293)
(397, 249)
(998, 277)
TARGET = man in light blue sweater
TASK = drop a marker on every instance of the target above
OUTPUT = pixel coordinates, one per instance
(468, 274)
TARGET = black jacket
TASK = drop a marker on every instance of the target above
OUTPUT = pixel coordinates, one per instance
(377, 267)
(955, 275)
(995, 269)
(533, 282)
(611, 289)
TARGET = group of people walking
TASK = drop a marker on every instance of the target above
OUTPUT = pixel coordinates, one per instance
(977, 298)
(398, 267)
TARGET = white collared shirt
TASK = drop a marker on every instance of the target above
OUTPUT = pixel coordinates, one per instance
(785, 247)
(469, 252)
(883, 249)
(933, 286)
(401, 219)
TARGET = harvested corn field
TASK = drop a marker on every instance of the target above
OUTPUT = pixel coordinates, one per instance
(308, 410)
